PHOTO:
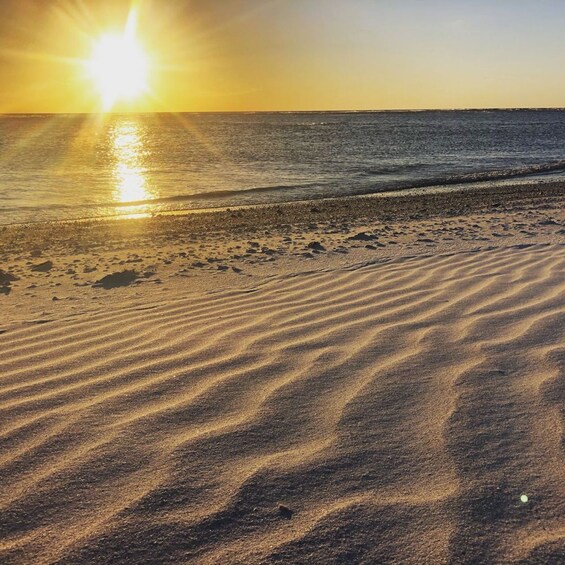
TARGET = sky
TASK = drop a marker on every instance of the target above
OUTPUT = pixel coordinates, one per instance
(268, 55)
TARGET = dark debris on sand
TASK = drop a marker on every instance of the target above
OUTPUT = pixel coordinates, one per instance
(285, 511)
(42, 267)
(114, 280)
(6, 279)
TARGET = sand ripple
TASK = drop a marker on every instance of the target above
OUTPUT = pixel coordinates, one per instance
(400, 410)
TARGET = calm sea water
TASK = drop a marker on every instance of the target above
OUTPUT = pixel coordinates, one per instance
(62, 167)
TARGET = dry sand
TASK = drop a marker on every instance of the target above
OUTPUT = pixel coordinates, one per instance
(350, 381)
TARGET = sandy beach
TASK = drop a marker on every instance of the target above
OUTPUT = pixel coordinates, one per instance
(357, 380)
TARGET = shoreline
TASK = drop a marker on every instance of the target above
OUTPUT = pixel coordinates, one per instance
(379, 206)
(59, 266)
(411, 192)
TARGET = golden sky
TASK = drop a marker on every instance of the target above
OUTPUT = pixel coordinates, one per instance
(252, 55)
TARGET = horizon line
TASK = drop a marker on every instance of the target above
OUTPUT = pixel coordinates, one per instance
(334, 111)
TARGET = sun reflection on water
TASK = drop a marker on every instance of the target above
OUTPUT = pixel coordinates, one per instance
(129, 153)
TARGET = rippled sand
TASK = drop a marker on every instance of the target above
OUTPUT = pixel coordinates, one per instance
(396, 411)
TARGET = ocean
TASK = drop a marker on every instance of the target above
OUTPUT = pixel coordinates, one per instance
(58, 167)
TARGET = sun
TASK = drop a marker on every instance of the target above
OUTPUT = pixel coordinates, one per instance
(118, 66)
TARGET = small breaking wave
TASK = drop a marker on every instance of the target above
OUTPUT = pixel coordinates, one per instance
(476, 177)
(215, 194)
(483, 176)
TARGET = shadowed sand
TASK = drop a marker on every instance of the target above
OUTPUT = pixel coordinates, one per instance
(383, 411)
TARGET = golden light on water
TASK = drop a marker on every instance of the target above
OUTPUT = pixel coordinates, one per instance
(128, 150)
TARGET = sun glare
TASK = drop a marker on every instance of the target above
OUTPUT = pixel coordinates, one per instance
(128, 149)
(119, 66)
